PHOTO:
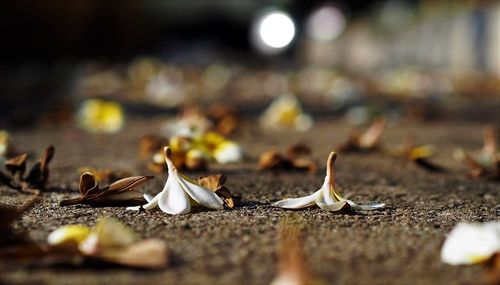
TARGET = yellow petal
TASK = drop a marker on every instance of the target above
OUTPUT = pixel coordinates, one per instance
(68, 234)
(101, 116)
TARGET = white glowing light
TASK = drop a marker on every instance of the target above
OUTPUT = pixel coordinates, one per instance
(273, 32)
(326, 23)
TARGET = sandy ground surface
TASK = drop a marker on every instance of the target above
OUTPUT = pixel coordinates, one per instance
(397, 245)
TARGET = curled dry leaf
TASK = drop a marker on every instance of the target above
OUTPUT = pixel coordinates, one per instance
(224, 118)
(420, 154)
(368, 141)
(105, 175)
(216, 184)
(273, 160)
(37, 177)
(119, 193)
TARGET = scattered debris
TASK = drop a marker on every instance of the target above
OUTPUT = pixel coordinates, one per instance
(369, 141)
(326, 197)
(119, 193)
(37, 178)
(109, 241)
(216, 184)
(285, 112)
(180, 192)
(418, 154)
(225, 119)
(101, 116)
(485, 162)
(293, 160)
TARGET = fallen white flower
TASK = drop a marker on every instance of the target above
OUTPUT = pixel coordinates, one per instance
(471, 243)
(228, 152)
(180, 193)
(326, 197)
(285, 112)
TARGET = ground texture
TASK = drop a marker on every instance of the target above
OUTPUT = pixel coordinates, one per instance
(397, 245)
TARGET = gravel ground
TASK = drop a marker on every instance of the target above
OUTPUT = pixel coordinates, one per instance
(397, 245)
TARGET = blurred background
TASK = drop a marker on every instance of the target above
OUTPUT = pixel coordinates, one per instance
(419, 60)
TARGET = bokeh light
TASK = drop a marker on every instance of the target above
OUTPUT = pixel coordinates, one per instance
(273, 32)
(325, 23)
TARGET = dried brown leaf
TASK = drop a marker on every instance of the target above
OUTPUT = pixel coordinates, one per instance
(150, 144)
(216, 184)
(17, 165)
(119, 193)
(304, 164)
(297, 150)
(272, 160)
(366, 142)
(38, 176)
(88, 184)
(212, 182)
(128, 183)
(105, 175)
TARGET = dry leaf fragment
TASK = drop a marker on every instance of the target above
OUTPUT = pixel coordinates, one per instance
(297, 150)
(37, 177)
(17, 165)
(366, 142)
(418, 154)
(216, 184)
(224, 118)
(273, 160)
(119, 193)
(105, 175)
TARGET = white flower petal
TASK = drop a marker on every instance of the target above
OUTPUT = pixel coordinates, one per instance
(365, 207)
(471, 243)
(152, 203)
(297, 203)
(333, 207)
(200, 195)
(173, 200)
(148, 197)
(327, 196)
